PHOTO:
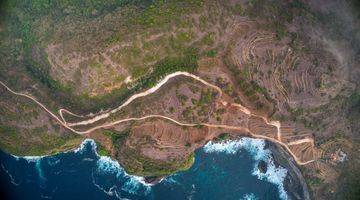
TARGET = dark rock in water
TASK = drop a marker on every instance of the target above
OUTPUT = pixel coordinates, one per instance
(262, 166)
(153, 180)
(267, 144)
(294, 182)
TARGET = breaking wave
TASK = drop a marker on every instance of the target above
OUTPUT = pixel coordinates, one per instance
(170, 180)
(117, 180)
(104, 166)
(37, 160)
(12, 178)
(109, 176)
(256, 147)
(250, 196)
(83, 145)
(53, 161)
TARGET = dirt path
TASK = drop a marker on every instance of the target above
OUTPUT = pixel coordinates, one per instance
(40, 104)
(136, 96)
(69, 126)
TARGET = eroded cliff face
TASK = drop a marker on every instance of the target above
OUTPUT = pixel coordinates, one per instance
(294, 183)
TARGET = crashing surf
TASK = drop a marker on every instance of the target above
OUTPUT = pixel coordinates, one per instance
(250, 196)
(256, 147)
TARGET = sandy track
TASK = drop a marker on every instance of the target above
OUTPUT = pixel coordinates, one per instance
(136, 96)
(69, 126)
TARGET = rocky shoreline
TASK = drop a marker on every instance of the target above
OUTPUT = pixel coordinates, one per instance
(153, 180)
(294, 183)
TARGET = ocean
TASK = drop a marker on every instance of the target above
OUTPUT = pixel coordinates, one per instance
(224, 170)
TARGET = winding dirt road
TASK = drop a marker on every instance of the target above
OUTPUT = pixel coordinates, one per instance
(136, 96)
(104, 115)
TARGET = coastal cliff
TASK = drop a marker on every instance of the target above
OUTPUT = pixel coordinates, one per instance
(294, 184)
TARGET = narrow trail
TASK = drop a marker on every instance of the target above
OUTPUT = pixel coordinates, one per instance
(40, 104)
(245, 110)
(136, 96)
(301, 141)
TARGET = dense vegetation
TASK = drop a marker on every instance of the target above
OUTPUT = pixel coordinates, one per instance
(35, 142)
(136, 163)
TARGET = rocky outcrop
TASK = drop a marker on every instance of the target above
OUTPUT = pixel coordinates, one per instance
(294, 184)
(262, 166)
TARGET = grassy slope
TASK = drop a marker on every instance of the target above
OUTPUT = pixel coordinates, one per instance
(24, 19)
(32, 143)
(22, 67)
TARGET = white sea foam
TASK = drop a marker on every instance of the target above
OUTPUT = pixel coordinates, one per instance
(17, 158)
(42, 178)
(109, 192)
(131, 184)
(83, 145)
(80, 149)
(229, 147)
(53, 161)
(250, 196)
(32, 158)
(11, 176)
(106, 164)
(139, 179)
(275, 175)
(170, 179)
(256, 147)
(37, 160)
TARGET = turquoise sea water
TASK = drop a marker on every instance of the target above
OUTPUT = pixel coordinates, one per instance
(226, 170)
